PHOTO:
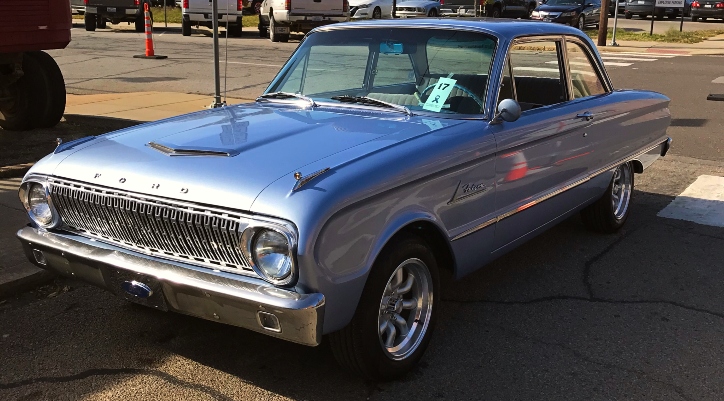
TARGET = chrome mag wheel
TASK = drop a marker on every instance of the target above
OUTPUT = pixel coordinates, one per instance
(405, 309)
(621, 190)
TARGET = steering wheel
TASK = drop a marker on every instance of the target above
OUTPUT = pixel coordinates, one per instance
(462, 88)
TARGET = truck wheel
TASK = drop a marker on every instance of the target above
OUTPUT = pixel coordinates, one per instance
(186, 28)
(273, 36)
(395, 317)
(100, 23)
(90, 22)
(263, 31)
(15, 113)
(235, 30)
(49, 89)
(694, 19)
(628, 15)
(140, 23)
(609, 213)
(497, 12)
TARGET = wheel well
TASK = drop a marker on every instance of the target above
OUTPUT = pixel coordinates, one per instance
(435, 239)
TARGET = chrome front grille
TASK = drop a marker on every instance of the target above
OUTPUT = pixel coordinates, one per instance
(184, 232)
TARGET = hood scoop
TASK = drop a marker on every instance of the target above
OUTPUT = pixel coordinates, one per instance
(173, 150)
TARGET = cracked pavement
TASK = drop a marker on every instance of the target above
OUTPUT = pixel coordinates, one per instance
(571, 315)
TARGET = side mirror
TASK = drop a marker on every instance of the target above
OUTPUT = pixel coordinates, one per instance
(508, 110)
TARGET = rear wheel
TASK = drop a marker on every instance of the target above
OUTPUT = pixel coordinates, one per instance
(609, 213)
(703, 18)
(235, 30)
(101, 23)
(497, 12)
(15, 111)
(432, 13)
(272, 35)
(90, 22)
(48, 88)
(186, 28)
(628, 15)
(396, 315)
(694, 19)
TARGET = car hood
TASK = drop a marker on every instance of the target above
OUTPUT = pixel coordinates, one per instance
(556, 9)
(226, 157)
(356, 3)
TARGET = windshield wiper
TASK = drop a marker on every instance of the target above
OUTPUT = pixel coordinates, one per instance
(372, 102)
(286, 95)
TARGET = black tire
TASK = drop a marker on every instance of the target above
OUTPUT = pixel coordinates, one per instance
(90, 22)
(16, 114)
(272, 36)
(100, 23)
(186, 28)
(432, 13)
(496, 13)
(358, 347)
(235, 30)
(601, 216)
(263, 32)
(694, 19)
(581, 23)
(659, 17)
(49, 90)
(627, 15)
(703, 19)
(140, 23)
(531, 8)
(376, 13)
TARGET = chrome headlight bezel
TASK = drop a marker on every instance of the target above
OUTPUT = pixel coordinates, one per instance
(248, 241)
(23, 194)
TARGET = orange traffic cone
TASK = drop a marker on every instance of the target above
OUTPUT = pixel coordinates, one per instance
(149, 36)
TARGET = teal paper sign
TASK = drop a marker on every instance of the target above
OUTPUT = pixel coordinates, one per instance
(439, 95)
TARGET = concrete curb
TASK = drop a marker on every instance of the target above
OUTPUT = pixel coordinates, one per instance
(15, 171)
(23, 278)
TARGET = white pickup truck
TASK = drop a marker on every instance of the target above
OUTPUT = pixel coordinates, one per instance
(198, 12)
(277, 18)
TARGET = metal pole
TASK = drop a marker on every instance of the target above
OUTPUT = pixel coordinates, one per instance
(165, 15)
(394, 8)
(217, 75)
(681, 25)
(653, 16)
(615, 24)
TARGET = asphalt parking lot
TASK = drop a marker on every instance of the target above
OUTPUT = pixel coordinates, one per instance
(569, 316)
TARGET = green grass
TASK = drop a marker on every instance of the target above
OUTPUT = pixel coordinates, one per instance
(174, 16)
(671, 36)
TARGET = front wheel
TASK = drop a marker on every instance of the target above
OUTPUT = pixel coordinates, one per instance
(396, 314)
(376, 13)
(432, 13)
(581, 24)
(186, 28)
(609, 213)
(496, 12)
(628, 15)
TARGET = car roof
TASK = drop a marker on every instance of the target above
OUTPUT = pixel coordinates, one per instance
(500, 27)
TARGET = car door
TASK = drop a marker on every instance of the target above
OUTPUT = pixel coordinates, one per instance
(594, 11)
(545, 151)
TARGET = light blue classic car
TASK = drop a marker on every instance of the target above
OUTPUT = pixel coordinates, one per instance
(384, 155)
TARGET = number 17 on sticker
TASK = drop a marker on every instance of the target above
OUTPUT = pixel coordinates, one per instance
(439, 95)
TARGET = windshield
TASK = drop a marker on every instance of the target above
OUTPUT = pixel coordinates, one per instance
(425, 70)
(565, 2)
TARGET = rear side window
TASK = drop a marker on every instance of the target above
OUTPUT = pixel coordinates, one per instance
(584, 78)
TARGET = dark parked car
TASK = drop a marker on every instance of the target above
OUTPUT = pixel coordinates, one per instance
(707, 9)
(578, 13)
(644, 8)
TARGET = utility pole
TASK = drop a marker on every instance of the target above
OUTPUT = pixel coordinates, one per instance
(603, 23)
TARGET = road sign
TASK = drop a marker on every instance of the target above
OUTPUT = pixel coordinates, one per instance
(670, 3)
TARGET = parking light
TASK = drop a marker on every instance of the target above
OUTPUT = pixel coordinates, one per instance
(239, 5)
(288, 4)
(695, 4)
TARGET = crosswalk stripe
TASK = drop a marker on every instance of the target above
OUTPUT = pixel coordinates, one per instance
(649, 55)
(669, 55)
(610, 63)
(8, 187)
(615, 64)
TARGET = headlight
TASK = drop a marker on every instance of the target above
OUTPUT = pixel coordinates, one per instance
(569, 14)
(534, 14)
(272, 256)
(363, 6)
(35, 198)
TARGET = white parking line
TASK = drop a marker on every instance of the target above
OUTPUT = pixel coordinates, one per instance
(260, 65)
(611, 63)
(719, 80)
(702, 202)
(626, 58)
(667, 55)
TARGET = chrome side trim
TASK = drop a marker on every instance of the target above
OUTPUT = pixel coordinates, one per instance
(552, 193)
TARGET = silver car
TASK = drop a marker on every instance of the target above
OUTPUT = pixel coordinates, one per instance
(384, 155)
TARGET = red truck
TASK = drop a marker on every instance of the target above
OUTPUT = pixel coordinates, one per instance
(32, 89)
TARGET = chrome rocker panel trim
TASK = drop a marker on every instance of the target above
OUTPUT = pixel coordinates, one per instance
(649, 155)
(213, 295)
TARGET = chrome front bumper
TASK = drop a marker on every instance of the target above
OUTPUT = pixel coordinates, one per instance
(214, 295)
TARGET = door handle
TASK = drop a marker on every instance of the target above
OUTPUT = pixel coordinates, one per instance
(587, 116)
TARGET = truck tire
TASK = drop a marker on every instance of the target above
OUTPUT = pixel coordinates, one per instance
(272, 36)
(186, 28)
(15, 114)
(90, 22)
(140, 23)
(100, 23)
(235, 30)
(49, 90)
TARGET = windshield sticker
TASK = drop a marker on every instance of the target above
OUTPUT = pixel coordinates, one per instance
(439, 95)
